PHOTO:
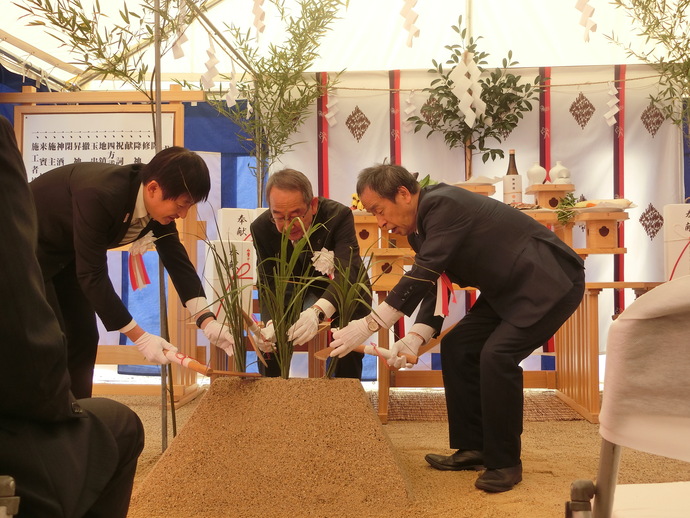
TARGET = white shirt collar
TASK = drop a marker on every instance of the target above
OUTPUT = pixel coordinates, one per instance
(140, 206)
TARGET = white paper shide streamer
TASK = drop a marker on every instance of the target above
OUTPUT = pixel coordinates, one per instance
(410, 18)
(232, 93)
(211, 70)
(178, 51)
(586, 18)
(332, 108)
(409, 109)
(467, 89)
(259, 15)
(612, 103)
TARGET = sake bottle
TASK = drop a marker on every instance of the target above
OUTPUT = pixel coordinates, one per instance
(512, 181)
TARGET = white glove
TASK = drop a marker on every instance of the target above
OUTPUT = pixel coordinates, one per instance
(306, 326)
(349, 337)
(266, 338)
(220, 336)
(409, 344)
(152, 347)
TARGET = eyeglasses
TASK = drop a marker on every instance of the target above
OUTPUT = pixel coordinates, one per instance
(281, 221)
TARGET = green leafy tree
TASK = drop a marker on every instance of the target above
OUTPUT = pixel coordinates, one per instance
(505, 94)
(110, 47)
(276, 91)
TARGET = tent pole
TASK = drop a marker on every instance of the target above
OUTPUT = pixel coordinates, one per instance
(468, 20)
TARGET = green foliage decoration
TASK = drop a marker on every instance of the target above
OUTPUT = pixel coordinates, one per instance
(506, 95)
(276, 91)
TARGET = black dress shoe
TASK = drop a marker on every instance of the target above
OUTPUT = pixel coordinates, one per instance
(499, 480)
(458, 461)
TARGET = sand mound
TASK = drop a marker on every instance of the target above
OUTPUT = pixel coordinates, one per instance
(275, 447)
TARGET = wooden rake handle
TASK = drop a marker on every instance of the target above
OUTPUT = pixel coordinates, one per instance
(323, 354)
(190, 363)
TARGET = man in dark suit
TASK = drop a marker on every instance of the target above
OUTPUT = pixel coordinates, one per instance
(530, 282)
(290, 198)
(69, 458)
(85, 209)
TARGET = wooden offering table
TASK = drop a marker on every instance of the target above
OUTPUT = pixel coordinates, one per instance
(548, 195)
(480, 188)
(601, 228)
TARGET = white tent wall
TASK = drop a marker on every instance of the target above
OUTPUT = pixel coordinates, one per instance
(653, 177)
(362, 141)
(372, 35)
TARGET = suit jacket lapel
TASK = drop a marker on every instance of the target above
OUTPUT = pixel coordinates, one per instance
(129, 203)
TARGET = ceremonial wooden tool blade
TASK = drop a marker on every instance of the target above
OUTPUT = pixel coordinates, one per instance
(234, 373)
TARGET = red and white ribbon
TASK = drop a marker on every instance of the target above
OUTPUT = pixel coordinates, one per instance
(138, 277)
(444, 295)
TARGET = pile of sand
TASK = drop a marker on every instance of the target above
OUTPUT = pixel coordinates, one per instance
(275, 447)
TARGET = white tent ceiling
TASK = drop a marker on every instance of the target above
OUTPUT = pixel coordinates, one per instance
(371, 35)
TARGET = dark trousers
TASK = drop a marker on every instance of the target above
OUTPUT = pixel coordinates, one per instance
(77, 468)
(78, 322)
(128, 432)
(483, 381)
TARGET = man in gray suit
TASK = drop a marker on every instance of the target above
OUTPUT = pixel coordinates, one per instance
(69, 458)
(85, 209)
(529, 281)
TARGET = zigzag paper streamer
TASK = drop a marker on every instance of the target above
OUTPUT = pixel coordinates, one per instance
(410, 17)
(476, 87)
(586, 18)
(610, 115)
(332, 109)
(259, 15)
(466, 87)
(409, 109)
(211, 70)
(178, 51)
(232, 94)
